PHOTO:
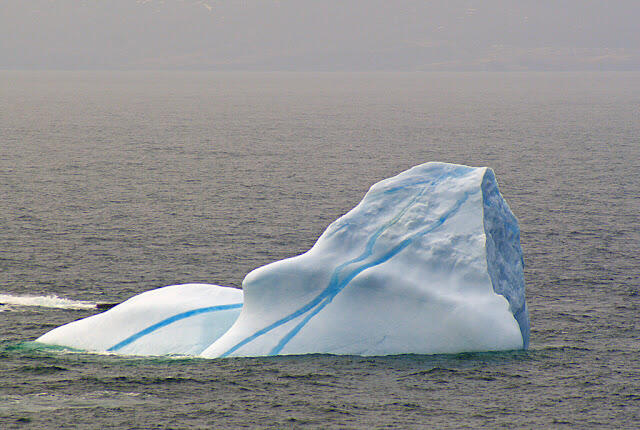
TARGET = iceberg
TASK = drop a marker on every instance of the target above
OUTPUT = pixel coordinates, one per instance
(428, 262)
(174, 320)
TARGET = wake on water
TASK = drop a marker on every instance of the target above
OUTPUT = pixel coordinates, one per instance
(50, 301)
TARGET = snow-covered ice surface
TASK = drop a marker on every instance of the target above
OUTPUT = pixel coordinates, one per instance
(429, 262)
(178, 319)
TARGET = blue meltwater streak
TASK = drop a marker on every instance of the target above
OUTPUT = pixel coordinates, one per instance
(334, 278)
(333, 290)
(171, 320)
(336, 285)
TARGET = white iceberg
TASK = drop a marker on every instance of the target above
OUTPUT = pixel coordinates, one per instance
(178, 319)
(429, 262)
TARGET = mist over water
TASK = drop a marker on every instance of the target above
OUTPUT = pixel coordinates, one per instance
(117, 183)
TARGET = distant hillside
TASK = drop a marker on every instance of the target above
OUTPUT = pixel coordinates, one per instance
(320, 35)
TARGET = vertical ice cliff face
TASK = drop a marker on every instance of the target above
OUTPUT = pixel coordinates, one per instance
(429, 262)
(504, 254)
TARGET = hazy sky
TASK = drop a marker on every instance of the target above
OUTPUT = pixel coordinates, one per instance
(320, 34)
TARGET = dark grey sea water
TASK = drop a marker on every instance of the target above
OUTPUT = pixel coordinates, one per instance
(116, 183)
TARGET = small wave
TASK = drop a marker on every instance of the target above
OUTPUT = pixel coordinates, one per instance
(46, 301)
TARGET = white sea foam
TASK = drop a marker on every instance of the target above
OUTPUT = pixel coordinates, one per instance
(51, 301)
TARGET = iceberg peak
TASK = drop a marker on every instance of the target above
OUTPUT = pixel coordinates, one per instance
(428, 262)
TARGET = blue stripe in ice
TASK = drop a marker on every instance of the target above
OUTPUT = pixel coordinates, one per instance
(335, 285)
(333, 290)
(171, 320)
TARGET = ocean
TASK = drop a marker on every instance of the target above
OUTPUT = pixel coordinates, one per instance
(115, 183)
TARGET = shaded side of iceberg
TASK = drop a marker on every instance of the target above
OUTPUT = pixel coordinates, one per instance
(504, 254)
(178, 319)
(429, 262)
